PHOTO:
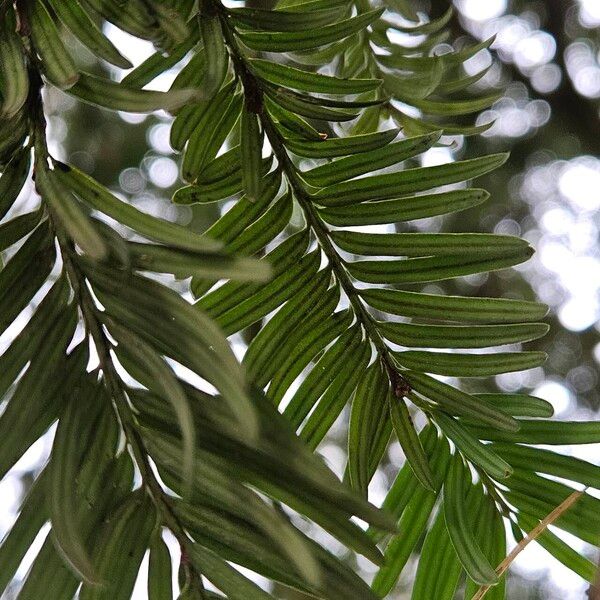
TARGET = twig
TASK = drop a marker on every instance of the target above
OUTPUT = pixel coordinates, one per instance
(253, 90)
(94, 330)
(530, 537)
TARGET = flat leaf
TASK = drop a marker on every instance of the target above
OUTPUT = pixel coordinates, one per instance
(109, 94)
(412, 525)
(312, 342)
(13, 69)
(324, 372)
(133, 17)
(531, 504)
(73, 435)
(551, 463)
(457, 402)
(439, 569)
(265, 229)
(427, 27)
(290, 121)
(186, 334)
(410, 88)
(451, 86)
(409, 441)
(455, 107)
(251, 151)
(409, 181)
(33, 513)
(192, 73)
(453, 308)
(16, 229)
(38, 398)
(156, 64)
(311, 38)
(270, 297)
(546, 432)
(404, 209)
(369, 406)
(400, 60)
(216, 53)
(298, 79)
(159, 570)
(222, 167)
(413, 522)
(172, 23)
(191, 116)
(425, 244)
(490, 534)
(326, 102)
(470, 554)
(285, 20)
(368, 161)
(126, 534)
(473, 449)
(70, 214)
(99, 198)
(291, 561)
(225, 577)
(583, 514)
(309, 107)
(148, 367)
(213, 127)
(231, 294)
(519, 405)
(405, 483)
(329, 148)
(260, 358)
(57, 63)
(244, 212)
(277, 463)
(470, 365)
(333, 401)
(415, 126)
(48, 575)
(435, 268)
(451, 336)
(13, 178)
(83, 27)
(25, 345)
(183, 264)
(23, 276)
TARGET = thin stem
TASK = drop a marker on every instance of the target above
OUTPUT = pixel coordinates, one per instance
(252, 88)
(94, 329)
(115, 388)
(530, 537)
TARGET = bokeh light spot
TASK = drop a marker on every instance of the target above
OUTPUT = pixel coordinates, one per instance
(163, 172)
(476, 10)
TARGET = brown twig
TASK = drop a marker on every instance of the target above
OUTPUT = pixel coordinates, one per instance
(530, 537)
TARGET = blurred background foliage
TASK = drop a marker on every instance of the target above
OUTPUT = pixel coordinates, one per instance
(547, 59)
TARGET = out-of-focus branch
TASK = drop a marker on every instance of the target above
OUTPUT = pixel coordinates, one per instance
(577, 115)
(567, 104)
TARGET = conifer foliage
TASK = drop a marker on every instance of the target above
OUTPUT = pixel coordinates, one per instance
(305, 116)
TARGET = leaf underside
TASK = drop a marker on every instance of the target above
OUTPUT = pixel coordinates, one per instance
(286, 113)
